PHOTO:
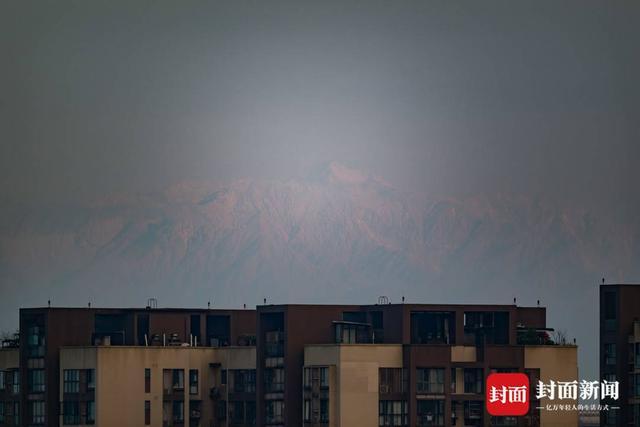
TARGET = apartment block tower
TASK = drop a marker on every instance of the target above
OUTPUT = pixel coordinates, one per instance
(620, 351)
(278, 366)
(401, 364)
(83, 366)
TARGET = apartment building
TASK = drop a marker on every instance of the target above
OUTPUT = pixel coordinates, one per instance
(620, 350)
(402, 364)
(48, 334)
(9, 384)
(278, 365)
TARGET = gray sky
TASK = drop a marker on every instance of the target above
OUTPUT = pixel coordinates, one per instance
(444, 97)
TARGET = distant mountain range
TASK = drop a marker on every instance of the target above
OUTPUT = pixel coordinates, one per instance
(340, 235)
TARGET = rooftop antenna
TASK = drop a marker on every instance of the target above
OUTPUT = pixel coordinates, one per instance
(152, 303)
(538, 303)
(89, 304)
(383, 299)
(208, 304)
(403, 299)
(603, 280)
(49, 303)
(265, 301)
(244, 305)
(514, 301)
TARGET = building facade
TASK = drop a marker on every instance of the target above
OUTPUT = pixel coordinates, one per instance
(278, 365)
(620, 351)
(401, 365)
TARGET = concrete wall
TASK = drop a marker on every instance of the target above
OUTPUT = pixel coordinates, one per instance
(9, 358)
(557, 363)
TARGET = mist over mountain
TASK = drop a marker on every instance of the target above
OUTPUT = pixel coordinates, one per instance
(341, 235)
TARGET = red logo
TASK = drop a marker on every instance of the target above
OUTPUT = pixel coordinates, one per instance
(507, 394)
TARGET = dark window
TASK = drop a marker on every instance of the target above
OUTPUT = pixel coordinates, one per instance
(236, 412)
(274, 411)
(609, 354)
(274, 380)
(430, 380)
(71, 379)
(147, 380)
(473, 380)
(430, 412)
(473, 410)
(610, 306)
(393, 413)
(316, 378)
(178, 411)
(393, 380)
(2, 418)
(3, 379)
(147, 412)
(504, 421)
(324, 410)
(91, 412)
(15, 382)
(376, 320)
(351, 333)
(251, 413)
(223, 377)
(35, 341)
(178, 379)
(36, 380)
(355, 316)
(111, 327)
(16, 413)
(90, 375)
(489, 326)
(71, 412)
(433, 328)
(244, 381)
(195, 329)
(37, 411)
(218, 330)
(193, 381)
(143, 329)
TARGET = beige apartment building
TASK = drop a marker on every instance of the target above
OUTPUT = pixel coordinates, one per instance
(157, 386)
(375, 385)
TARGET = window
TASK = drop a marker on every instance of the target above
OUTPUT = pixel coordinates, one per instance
(274, 380)
(91, 379)
(430, 380)
(15, 382)
(274, 410)
(16, 413)
(349, 333)
(35, 341)
(504, 421)
(393, 413)
(2, 380)
(223, 376)
(432, 327)
(2, 420)
(634, 385)
(473, 380)
(609, 354)
(178, 411)
(307, 410)
(324, 410)
(147, 380)
(250, 417)
(193, 381)
(236, 412)
(473, 410)
(430, 412)
(91, 412)
(71, 379)
(178, 379)
(316, 377)
(244, 381)
(36, 380)
(37, 409)
(453, 380)
(147, 412)
(71, 412)
(393, 380)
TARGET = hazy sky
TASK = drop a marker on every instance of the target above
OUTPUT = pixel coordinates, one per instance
(444, 97)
